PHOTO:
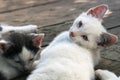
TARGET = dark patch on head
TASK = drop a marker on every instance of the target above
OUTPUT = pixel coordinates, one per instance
(2, 76)
(104, 40)
(19, 41)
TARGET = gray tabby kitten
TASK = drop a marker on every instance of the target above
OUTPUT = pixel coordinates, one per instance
(17, 52)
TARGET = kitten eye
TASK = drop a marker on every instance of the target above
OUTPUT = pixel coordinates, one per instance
(80, 24)
(31, 59)
(17, 61)
(85, 37)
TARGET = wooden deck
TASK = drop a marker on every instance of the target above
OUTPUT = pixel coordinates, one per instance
(54, 16)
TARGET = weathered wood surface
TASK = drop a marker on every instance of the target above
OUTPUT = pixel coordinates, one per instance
(55, 16)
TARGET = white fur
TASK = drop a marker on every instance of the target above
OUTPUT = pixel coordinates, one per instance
(64, 62)
(25, 56)
(106, 75)
(26, 28)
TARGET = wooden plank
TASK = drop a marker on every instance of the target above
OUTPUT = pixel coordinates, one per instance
(7, 6)
(24, 12)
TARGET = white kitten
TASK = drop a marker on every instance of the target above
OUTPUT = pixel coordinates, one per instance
(73, 54)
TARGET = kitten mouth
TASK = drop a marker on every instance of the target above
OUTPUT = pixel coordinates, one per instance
(26, 71)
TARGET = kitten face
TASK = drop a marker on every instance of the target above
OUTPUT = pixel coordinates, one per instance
(86, 33)
(25, 58)
(21, 48)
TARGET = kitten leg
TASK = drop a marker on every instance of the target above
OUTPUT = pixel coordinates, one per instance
(35, 64)
(119, 77)
(2, 76)
(36, 59)
(105, 75)
(26, 28)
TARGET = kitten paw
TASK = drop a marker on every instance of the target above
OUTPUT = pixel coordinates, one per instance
(105, 75)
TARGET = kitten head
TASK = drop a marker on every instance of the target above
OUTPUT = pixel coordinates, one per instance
(21, 48)
(88, 31)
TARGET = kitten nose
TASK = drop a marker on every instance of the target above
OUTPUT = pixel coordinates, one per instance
(107, 39)
(27, 68)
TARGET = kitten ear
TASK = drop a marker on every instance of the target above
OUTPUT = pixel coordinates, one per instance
(98, 11)
(38, 39)
(4, 45)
